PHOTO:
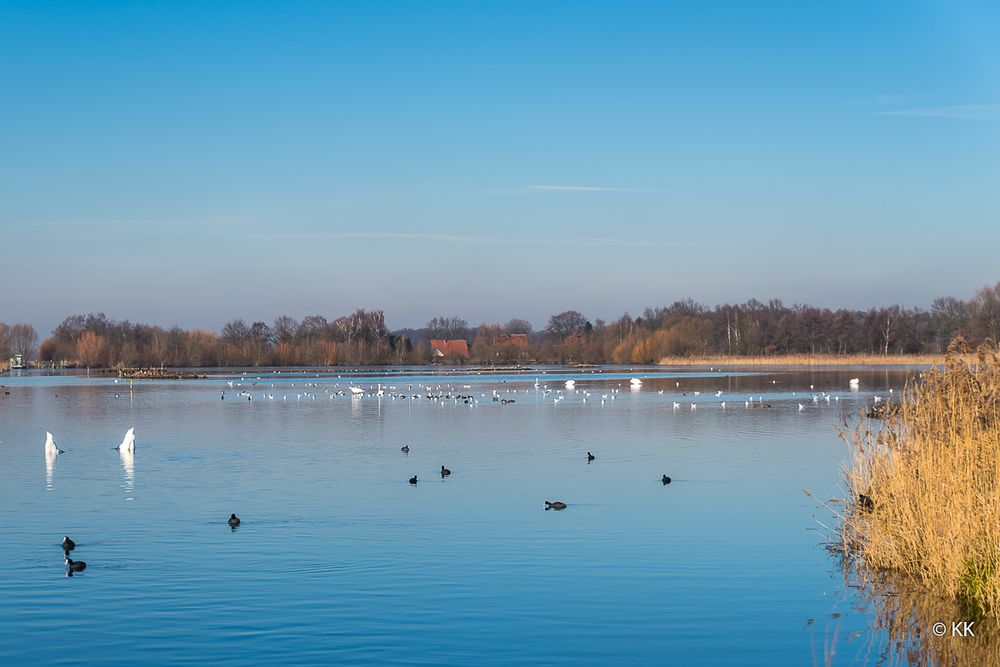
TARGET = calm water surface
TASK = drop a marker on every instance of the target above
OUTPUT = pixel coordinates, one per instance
(339, 559)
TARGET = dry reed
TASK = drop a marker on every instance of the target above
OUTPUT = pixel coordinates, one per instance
(924, 484)
(807, 360)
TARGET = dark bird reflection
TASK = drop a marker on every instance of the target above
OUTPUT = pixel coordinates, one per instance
(74, 566)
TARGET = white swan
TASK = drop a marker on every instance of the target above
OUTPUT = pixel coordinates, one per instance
(128, 442)
(570, 384)
(357, 391)
(855, 383)
(51, 451)
(635, 382)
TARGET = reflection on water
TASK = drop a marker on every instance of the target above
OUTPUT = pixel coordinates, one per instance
(128, 471)
(341, 560)
(50, 465)
(911, 626)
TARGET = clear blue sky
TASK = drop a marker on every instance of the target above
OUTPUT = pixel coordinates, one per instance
(192, 162)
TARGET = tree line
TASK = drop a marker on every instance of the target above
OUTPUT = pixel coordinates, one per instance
(685, 328)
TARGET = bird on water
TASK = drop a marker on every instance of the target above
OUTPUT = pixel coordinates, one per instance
(75, 565)
(68, 544)
(405, 449)
(445, 472)
(234, 520)
(666, 480)
(554, 505)
(51, 451)
(590, 457)
(413, 480)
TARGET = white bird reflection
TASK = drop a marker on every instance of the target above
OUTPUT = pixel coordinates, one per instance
(50, 461)
(126, 451)
(128, 471)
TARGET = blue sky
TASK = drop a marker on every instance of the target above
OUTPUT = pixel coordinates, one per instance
(192, 162)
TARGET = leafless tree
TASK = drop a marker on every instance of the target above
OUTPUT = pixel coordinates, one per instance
(22, 339)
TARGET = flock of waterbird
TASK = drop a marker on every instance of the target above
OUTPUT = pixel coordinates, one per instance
(438, 393)
(442, 394)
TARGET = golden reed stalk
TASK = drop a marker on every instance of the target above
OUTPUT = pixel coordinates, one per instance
(924, 484)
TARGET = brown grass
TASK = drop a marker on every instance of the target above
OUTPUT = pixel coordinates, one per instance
(932, 474)
(808, 360)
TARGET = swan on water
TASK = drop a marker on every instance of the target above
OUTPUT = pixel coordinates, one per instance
(51, 451)
(128, 442)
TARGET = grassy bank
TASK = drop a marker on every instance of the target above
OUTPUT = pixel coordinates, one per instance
(808, 360)
(925, 484)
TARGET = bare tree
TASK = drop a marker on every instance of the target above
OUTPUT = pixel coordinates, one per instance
(91, 349)
(235, 332)
(312, 327)
(565, 324)
(22, 339)
(285, 328)
(986, 320)
(888, 321)
(260, 338)
(517, 325)
(950, 317)
(4, 341)
(447, 327)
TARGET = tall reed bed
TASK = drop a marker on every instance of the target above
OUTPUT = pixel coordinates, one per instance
(806, 360)
(925, 483)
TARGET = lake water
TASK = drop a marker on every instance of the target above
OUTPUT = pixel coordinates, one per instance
(340, 559)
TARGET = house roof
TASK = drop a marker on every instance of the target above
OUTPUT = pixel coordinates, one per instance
(450, 348)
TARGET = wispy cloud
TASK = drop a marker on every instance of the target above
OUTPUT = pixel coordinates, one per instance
(482, 240)
(579, 188)
(884, 100)
(957, 111)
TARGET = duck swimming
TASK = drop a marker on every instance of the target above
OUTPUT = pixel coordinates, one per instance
(445, 472)
(590, 457)
(666, 480)
(68, 544)
(234, 520)
(413, 480)
(405, 449)
(555, 505)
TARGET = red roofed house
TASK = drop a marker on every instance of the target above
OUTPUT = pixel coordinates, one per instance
(449, 349)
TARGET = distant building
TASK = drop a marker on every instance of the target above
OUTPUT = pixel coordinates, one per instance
(451, 350)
